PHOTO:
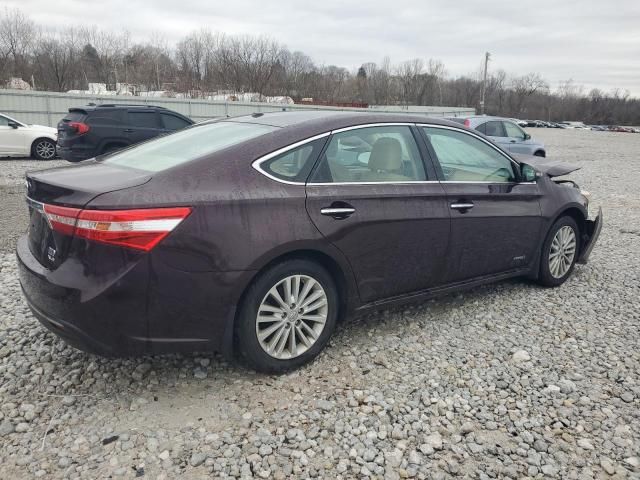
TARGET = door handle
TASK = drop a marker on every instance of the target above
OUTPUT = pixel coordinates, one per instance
(512, 141)
(128, 130)
(462, 206)
(338, 213)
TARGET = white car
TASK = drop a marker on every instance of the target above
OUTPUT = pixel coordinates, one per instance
(18, 139)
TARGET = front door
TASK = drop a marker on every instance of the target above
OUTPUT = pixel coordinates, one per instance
(518, 141)
(372, 197)
(495, 219)
(12, 140)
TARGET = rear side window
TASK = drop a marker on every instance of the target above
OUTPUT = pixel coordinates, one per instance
(295, 164)
(185, 145)
(493, 129)
(172, 122)
(4, 121)
(143, 119)
(370, 155)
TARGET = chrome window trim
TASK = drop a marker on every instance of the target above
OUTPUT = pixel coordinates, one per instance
(256, 164)
(409, 182)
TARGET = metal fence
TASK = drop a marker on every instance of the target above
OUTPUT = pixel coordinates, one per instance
(47, 108)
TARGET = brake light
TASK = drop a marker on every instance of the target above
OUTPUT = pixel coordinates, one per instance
(140, 229)
(467, 123)
(80, 128)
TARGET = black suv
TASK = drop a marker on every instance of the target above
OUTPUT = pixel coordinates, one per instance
(96, 129)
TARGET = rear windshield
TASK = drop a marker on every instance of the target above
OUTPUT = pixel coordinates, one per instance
(186, 145)
(75, 116)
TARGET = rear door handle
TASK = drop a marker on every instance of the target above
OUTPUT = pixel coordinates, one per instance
(128, 130)
(462, 206)
(337, 212)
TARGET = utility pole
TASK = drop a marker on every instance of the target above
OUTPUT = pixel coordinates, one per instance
(487, 55)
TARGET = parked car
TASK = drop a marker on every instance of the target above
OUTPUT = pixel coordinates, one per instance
(256, 234)
(505, 133)
(18, 139)
(86, 132)
(599, 128)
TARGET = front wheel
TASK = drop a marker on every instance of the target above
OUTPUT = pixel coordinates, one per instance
(44, 149)
(287, 316)
(559, 252)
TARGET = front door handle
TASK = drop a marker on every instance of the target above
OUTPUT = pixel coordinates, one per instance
(338, 213)
(128, 130)
(462, 207)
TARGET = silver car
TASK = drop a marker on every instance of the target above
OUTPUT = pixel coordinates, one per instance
(506, 133)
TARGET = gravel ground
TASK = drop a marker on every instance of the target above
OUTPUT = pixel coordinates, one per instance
(509, 380)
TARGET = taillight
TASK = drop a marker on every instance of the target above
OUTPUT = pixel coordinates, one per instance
(79, 127)
(467, 123)
(141, 229)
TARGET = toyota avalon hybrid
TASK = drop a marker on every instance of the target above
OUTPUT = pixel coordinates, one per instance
(254, 235)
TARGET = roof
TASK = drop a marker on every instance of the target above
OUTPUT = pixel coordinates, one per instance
(325, 120)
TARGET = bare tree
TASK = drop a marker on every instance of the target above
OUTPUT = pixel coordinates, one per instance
(523, 87)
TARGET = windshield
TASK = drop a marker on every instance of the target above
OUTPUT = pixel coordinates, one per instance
(186, 145)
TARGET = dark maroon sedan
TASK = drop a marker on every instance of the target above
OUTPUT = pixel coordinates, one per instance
(255, 234)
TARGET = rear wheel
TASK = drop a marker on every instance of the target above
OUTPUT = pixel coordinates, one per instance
(559, 252)
(540, 153)
(44, 149)
(287, 316)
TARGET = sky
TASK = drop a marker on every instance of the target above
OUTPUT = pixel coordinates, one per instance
(595, 43)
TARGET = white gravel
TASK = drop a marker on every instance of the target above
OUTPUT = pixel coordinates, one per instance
(509, 380)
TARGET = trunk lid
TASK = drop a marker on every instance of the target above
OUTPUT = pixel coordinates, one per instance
(65, 128)
(73, 186)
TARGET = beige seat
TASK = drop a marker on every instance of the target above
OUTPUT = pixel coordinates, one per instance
(385, 162)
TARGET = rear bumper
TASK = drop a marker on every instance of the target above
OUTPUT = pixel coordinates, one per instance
(591, 237)
(136, 307)
(72, 154)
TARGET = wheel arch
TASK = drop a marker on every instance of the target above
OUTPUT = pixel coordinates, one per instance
(540, 152)
(37, 139)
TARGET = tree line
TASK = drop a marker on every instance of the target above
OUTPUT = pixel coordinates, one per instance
(206, 62)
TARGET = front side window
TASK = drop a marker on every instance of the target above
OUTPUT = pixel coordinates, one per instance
(465, 158)
(513, 130)
(186, 145)
(371, 154)
(295, 164)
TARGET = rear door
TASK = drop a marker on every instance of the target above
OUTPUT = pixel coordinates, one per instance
(142, 125)
(374, 198)
(495, 219)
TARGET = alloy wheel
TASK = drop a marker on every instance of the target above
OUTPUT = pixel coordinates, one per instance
(291, 316)
(45, 150)
(563, 251)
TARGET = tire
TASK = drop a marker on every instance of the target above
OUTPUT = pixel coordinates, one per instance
(44, 149)
(540, 153)
(550, 276)
(259, 298)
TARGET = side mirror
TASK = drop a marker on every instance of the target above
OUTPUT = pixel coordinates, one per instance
(13, 124)
(528, 173)
(527, 136)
